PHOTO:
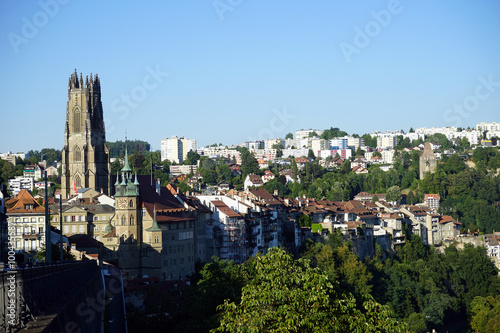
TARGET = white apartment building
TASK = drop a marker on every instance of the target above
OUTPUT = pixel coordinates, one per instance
(474, 136)
(175, 148)
(21, 183)
(340, 143)
(303, 134)
(182, 169)
(343, 153)
(490, 127)
(215, 152)
(316, 145)
(269, 143)
(295, 152)
(355, 142)
(9, 156)
(385, 141)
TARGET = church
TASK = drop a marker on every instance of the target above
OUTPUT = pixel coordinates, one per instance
(155, 231)
(85, 157)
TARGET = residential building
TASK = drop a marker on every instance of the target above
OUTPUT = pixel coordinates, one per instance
(9, 156)
(232, 233)
(355, 142)
(85, 157)
(27, 217)
(304, 134)
(385, 141)
(448, 228)
(343, 153)
(34, 171)
(21, 183)
(171, 149)
(339, 143)
(317, 144)
(432, 201)
(183, 169)
(252, 180)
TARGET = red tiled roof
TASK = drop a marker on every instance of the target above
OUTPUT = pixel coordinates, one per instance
(20, 201)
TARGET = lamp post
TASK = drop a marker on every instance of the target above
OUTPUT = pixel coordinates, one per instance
(48, 241)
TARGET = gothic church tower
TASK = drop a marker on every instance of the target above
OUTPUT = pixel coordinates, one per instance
(85, 157)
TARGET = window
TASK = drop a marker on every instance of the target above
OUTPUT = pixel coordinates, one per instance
(73, 228)
(131, 220)
(124, 220)
(157, 239)
(40, 219)
(96, 228)
(78, 182)
(66, 229)
(131, 203)
(40, 230)
(33, 219)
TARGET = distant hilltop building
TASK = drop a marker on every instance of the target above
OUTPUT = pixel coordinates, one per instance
(428, 162)
(85, 157)
(175, 149)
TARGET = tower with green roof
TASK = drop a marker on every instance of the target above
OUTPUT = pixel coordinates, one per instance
(128, 222)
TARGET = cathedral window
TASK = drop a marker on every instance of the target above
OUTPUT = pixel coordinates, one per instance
(132, 220)
(124, 220)
(78, 154)
(131, 204)
(78, 182)
(76, 120)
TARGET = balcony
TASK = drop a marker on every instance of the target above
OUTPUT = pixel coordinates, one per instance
(32, 236)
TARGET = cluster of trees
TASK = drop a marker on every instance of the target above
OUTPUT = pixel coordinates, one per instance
(428, 289)
(328, 289)
(469, 193)
(269, 293)
(117, 148)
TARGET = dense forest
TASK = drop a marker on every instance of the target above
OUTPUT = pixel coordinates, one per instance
(328, 289)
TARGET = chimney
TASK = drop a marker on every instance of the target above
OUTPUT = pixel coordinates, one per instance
(276, 192)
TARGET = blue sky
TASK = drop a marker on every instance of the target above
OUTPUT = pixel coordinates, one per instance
(230, 71)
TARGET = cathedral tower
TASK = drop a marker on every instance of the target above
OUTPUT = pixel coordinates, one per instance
(85, 157)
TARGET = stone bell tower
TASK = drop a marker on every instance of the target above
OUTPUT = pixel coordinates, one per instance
(85, 157)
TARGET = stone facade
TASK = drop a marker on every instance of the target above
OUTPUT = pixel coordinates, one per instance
(85, 157)
(428, 162)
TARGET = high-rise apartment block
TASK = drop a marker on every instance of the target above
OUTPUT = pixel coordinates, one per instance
(175, 149)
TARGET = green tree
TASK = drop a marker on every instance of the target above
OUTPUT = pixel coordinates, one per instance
(288, 295)
(485, 314)
(249, 164)
(192, 157)
(394, 194)
(56, 256)
(289, 136)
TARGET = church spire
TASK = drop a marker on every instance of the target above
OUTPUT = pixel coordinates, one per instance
(126, 166)
(154, 227)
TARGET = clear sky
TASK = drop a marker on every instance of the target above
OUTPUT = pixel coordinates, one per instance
(230, 71)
